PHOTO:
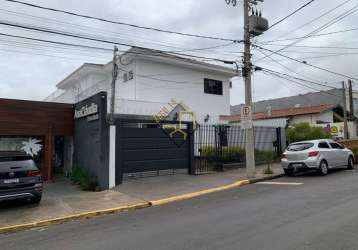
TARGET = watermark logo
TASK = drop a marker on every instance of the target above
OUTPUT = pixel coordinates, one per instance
(179, 112)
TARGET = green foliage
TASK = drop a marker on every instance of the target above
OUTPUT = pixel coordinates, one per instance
(229, 154)
(268, 157)
(304, 132)
(84, 179)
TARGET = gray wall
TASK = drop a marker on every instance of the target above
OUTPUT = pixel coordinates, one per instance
(91, 141)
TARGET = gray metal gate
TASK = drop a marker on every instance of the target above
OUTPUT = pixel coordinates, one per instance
(146, 148)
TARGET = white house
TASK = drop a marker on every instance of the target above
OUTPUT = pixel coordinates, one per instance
(148, 80)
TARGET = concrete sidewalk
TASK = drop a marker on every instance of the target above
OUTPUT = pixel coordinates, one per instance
(159, 187)
(62, 199)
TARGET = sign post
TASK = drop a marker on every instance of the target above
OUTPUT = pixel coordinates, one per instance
(246, 117)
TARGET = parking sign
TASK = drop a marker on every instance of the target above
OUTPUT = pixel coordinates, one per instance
(246, 117)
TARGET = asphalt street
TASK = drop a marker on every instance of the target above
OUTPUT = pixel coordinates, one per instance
(307, 212)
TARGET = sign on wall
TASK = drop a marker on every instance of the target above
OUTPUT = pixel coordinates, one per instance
(89, 111)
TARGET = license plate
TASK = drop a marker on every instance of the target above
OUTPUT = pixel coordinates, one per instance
(297, 165)
(11, 181)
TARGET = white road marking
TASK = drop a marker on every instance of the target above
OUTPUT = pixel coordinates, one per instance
(279, 183)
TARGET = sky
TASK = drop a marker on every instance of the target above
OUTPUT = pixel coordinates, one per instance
(30, 70)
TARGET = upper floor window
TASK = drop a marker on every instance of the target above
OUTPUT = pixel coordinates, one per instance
(214, 87)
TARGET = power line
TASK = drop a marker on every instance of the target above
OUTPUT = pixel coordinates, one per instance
(105, 31)
(121, 23)
(317, 18)
(291, 14)
(56, 42)
(312, 47)
(313, 36)
(73, 35)
(325, 26)
(293, 71)
(290, 81)
(306, 63)
(295, 79)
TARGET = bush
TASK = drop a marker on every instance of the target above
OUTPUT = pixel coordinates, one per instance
(268, 158)
(304, 132)
(229, 154)
(84, 179)
(234, 154)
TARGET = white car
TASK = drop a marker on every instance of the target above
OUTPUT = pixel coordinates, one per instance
(320, 155)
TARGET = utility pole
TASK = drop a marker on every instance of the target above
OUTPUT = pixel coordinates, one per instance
(111, 121)
(346, 134)
(113, 85)
(254, 25)
(249, 132)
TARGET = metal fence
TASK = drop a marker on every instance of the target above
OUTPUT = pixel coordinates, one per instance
(217, 147)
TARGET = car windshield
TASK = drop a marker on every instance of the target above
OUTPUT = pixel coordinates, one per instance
(299, 146)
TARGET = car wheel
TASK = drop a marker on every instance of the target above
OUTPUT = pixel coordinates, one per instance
(36, 199)
(323, 168)
(350, 163)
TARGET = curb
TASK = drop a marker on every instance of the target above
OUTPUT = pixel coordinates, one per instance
(211, 190)
(199, 193)
(87, 215)
(60, 220)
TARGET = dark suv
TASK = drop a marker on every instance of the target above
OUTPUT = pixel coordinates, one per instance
(19, 177)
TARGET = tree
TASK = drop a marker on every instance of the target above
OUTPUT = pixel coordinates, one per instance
(304, 131)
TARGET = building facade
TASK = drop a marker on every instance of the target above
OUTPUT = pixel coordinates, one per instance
(148, 80)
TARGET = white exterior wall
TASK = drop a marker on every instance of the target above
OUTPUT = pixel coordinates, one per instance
(81, 88)
(186, 85)
(150, 89)
(326, 117)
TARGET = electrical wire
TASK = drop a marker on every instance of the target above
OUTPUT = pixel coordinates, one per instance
(293, 71)
(84, 27)
(98, 31)
(313, 47)
(308, 64)
(291, 14)
(313, 36)
(73, 35)
(299, 86)
(293, 78)
(325, 26)
(121, 23)
(317, 18)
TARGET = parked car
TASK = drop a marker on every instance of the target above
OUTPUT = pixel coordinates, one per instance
(319, 155)
(19, 177)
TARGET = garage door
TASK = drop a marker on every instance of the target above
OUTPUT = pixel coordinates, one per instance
(148, 147)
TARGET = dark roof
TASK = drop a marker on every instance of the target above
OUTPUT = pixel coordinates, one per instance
(329, 97)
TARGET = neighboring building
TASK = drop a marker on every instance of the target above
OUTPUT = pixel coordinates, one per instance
(41, 129)
(324, 108)
(333, 97)
(148, 80)
(322, 114)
